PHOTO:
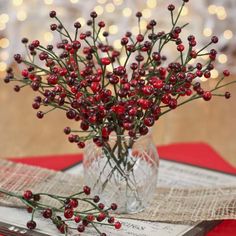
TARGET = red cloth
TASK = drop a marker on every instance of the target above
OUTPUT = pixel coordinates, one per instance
(198, 154)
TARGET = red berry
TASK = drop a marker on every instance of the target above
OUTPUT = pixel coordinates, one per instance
(139, 14)
(96, 199)
(28, 195)
(68, 213)
(36, 105)
(47, 213)
(117, 225)
(95, 86)
(149, 121)
(90, 218)
(62, 228)
(86, 190)
(147, 90)
(207, 95)
(81, 228)
(81, 144)
(53, 27)
(52, 14)
(226, 73)
(25, 73)
(29, 209)
(105, 132)
(101, 217)
(84, 125)
(17, 88)
(143, 130)
(118, 109)
(111, 220)
(171, 7)
(85, 222)
(35, 43)
(139, 38)
(172, 103)
(73, 203)
(105, 61)
(124, 41)
(40, 114)
(156, 56)
(77, 219)
(227, 95)
(158, 84)
(214, 39)
(52, 79)
(31, 224)
(101, 24)
(180, 47)
(113, 206)
(77, 25)
(67, 130)
(207, 74)
(101, 206)
(166, 98)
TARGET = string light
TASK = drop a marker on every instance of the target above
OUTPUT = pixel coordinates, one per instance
(228, 34)
(207, 32)
(214, 74)
(117, 44)
(110, 7)
(99, 9)
(143, 24)
(4, 18)
(113, 29)
(17, 2)
(21, 15)
(4, 43)
(222, 58)
(74, 1)
(122, 60)
(118, 2)
(135, 30)
(193, 61)
(3, 66)
(221, 13)
(151, 3)
(101, 1)
(81, 21)
(4, 55)
(2, 26)
(48, 37)
(48, 2)
(212, 9)
(203, 79)
(205, 57)
(127, 12)
(146, 13)
(184, 11)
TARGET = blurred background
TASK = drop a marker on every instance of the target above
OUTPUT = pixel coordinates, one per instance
(22, 134)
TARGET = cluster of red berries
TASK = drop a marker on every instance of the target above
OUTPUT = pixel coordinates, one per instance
(71, 212)
(88, 81)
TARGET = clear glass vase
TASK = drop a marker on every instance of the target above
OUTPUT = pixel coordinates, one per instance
(123, 171)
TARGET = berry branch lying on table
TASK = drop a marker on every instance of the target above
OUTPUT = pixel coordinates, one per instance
(68, 215)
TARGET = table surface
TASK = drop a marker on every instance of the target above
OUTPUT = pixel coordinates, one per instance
(198, 154)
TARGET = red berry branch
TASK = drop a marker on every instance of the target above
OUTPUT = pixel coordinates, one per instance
(68, 216)
(85, 77)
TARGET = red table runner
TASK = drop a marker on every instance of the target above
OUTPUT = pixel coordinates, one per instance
(198, 154)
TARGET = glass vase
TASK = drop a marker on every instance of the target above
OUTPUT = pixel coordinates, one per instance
(123, 171)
